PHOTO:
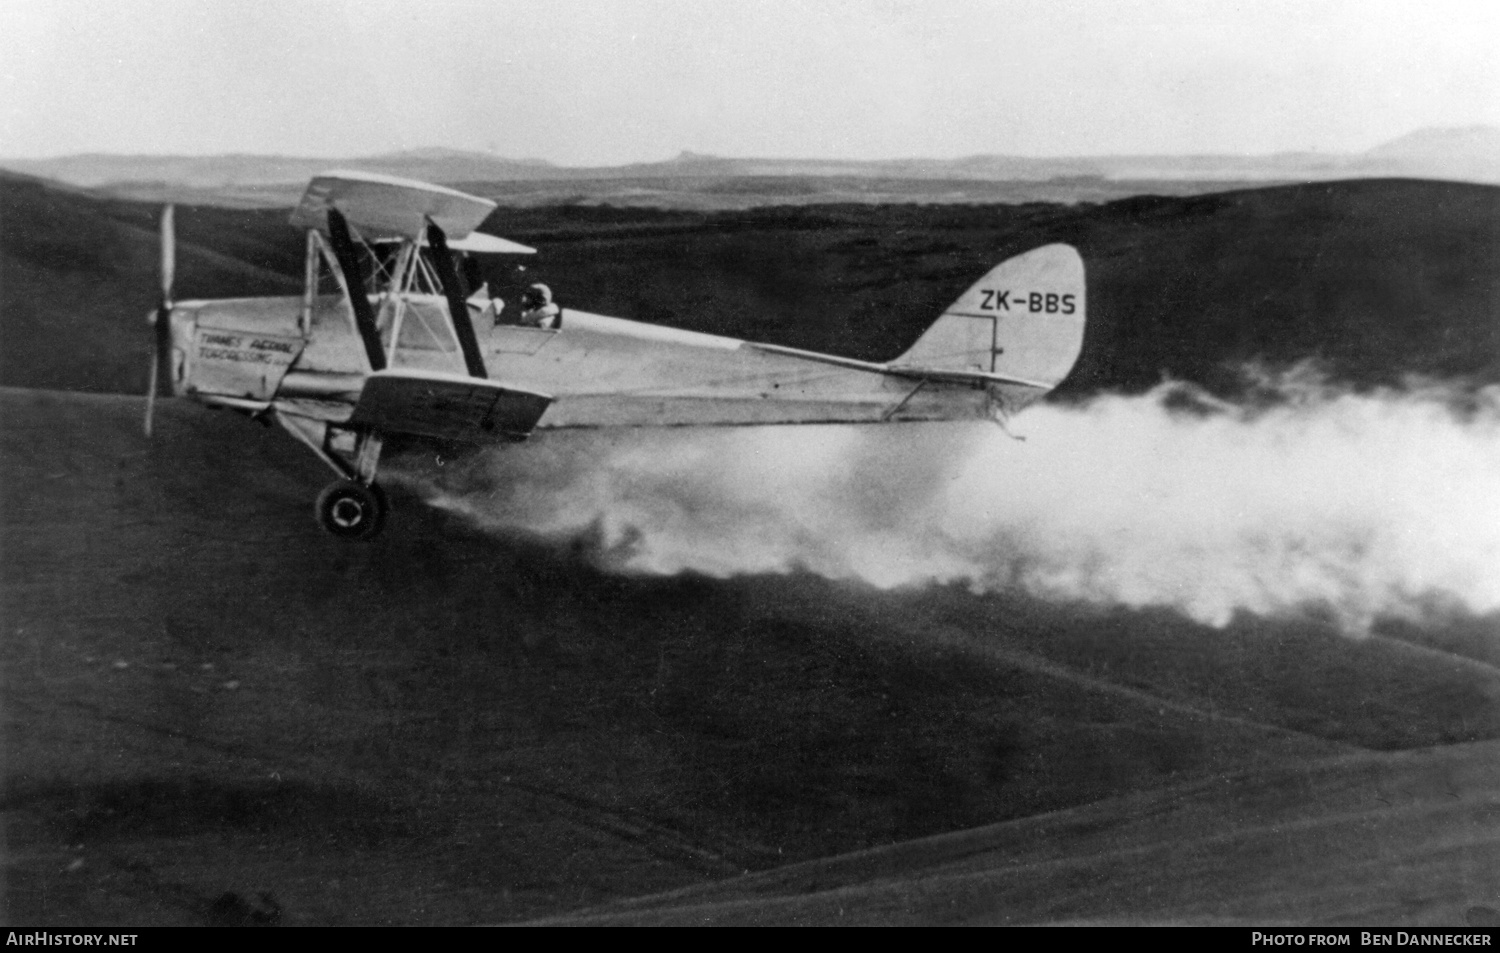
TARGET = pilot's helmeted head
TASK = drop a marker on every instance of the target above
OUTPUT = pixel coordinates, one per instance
(537, 296)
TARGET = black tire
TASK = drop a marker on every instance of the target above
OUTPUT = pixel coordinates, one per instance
(350, 510)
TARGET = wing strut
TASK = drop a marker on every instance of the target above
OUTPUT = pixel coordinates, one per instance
(437, 241)
(354, 279)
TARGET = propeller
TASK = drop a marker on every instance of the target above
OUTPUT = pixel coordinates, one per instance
(161, 353)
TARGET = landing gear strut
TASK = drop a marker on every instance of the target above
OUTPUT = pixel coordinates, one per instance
(354, 506)
(350, 509)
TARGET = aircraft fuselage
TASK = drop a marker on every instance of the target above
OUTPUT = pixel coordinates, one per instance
(600, 371)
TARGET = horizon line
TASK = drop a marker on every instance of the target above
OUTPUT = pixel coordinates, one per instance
(691, 155)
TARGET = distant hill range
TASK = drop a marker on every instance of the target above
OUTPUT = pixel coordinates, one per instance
(1469, 154)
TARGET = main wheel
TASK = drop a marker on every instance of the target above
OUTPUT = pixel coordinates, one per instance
(350, 510)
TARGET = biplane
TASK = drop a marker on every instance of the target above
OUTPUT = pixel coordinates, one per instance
(387, 339)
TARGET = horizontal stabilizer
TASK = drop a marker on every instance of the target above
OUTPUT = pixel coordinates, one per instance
(447, 407)
(384, 206)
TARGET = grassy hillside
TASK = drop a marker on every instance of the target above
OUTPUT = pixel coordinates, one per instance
(1357, 840)
(203, 696)
(1377, 278)
(78, 277)
(213, 712)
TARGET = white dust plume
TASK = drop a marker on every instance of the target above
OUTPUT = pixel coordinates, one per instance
(1350, 506)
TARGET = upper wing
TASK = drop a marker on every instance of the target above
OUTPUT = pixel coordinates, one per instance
(478, 243)
(384, 206)
(482, 244)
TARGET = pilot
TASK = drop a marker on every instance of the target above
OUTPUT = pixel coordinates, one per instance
(539, 311)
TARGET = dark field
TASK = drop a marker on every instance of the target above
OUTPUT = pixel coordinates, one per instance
(213, 713)
(1377, 279)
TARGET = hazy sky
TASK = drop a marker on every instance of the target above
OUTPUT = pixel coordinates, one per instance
(585, 82)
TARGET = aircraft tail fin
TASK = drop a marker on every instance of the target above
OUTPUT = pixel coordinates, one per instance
(1020, 324)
